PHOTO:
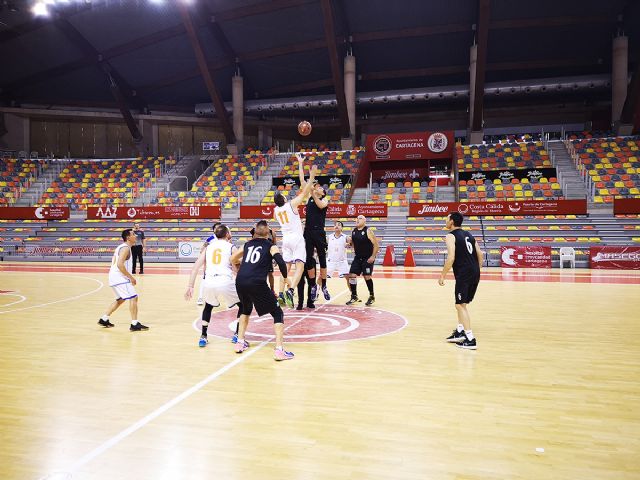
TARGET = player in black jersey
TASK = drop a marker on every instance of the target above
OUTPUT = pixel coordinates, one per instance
(315, 237)
(255, 258)
(465, 257)
(365, 249)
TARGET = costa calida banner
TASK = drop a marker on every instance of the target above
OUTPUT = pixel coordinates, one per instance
(527, 207)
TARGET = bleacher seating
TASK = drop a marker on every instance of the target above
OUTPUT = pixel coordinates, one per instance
(227, 179)
(502, 156)
(84, 183)
(400, 194)
(611, 166)
(15, 177)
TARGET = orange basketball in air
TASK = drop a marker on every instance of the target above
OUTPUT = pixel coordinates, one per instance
(304, 128)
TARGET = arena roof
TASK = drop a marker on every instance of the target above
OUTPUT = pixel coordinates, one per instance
(281, 50)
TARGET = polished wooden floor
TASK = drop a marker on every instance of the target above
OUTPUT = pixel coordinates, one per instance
(551, 393)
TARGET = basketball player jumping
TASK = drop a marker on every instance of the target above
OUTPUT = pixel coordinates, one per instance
(465, 257)
(293, 244)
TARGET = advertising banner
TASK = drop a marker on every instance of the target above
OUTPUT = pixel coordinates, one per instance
(189, 249)
(401, 174)
(34, 213)
(618, 258)
(150, 213)
(525, 257)
(322, 180)
(527, 207)
(409, 146)
(507, 175)
(626, 206)
(334, 210)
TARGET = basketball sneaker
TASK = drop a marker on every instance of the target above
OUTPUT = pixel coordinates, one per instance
(326, 294)
(280, 355)
(314, 293)
(234, 339)
(203, 342)
(299, 307)
(200, 301)
(288, 296)
(241, 347)
(105, 323)
(281, 300)
(353, 300)
(456, 337)
(310, 304)
(370, 301)
(138, 327)
(468, 344)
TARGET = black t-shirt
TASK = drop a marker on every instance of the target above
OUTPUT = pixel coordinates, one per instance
(315, 216)
(465, 266)
(362, 246)
(256, 262)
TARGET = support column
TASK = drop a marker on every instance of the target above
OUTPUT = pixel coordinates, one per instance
(265, 137)
(619, 76)
(149, 145)
(350, 92)
(18, 133)
(237, 92)
(473, 55)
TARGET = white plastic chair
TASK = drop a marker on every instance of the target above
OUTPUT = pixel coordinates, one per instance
(567, 254)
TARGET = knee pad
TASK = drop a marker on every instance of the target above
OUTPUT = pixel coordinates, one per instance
(353, 281)
(278, 315)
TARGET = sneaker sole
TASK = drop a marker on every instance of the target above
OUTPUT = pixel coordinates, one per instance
(454, 340)
(283, 359)
(467, 348)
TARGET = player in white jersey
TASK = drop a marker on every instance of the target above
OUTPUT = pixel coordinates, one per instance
(122, 282)
(293, 245)
(219, 282)
(337, 254)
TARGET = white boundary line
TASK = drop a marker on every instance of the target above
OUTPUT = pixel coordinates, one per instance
(22, 299)
(96, 452)
(68, 299)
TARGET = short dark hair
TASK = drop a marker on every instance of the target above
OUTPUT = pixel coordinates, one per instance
(279, 199)
(341, 224)
(252, 231)
(262, 228)
(215, 225)
(456, 218)
(126, 233)
(221, 231)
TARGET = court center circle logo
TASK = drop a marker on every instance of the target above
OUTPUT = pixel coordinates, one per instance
(327, 323)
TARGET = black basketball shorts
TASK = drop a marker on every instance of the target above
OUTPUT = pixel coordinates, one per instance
(258, 296)
(465, 291)
(360, 266)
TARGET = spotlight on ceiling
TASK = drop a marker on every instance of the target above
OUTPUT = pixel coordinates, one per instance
(39, 9)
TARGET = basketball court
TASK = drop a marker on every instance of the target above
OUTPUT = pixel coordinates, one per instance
(373, 393)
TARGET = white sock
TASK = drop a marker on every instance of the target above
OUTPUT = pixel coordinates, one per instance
(469, 334)
(460, 328)
(279, 348)
(104, 317)
(134, 322)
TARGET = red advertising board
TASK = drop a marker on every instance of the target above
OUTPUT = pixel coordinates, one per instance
(150, 213)
(334, 210)
(34, 213)
(618, 258)
(409, 146)
(525, 257)
(626, 206)
(527, 207)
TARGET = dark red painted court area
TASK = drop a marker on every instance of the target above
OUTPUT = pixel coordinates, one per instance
(622, 277)
(327, 323)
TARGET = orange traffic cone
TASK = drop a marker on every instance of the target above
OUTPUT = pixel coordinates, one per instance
(409, 261)
(390, 257)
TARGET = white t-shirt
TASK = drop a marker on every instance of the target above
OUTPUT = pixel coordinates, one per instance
(288, 219)
(218, 259)
(337, 248)
(115, 275)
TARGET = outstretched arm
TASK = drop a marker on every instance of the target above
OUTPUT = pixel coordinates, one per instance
(194, 272)
(305, 191)
(303, 182)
